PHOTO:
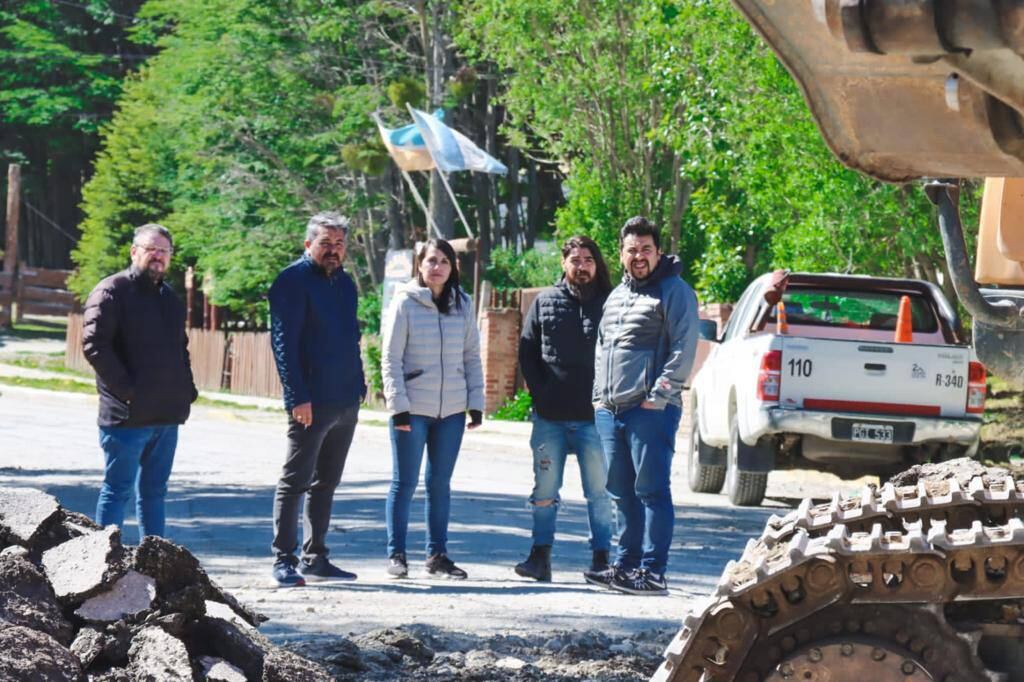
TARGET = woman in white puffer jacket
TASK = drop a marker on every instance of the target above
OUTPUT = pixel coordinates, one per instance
(432, 378)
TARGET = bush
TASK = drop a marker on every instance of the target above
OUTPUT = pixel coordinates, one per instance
(516, 408)
(371, 363)
(511, 270)
(368, 310)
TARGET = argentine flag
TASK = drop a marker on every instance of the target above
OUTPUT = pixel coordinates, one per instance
(450, 149)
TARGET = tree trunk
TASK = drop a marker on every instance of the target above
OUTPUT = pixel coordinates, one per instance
(532, 204)
(396, 199)
(512, 226)
(436, 65)
(682, 188)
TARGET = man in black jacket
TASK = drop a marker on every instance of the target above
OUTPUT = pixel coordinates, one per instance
(134, 337)
(556, 355)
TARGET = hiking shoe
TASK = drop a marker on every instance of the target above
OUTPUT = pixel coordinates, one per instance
(398, 567)
(321, 569)
(441, 565)
(286, 575)
(604, 578)
(537, 565)
(641, 582)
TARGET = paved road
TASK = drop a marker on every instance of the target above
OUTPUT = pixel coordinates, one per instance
(220, 502)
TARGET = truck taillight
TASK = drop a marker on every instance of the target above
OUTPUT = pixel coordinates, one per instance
(769, 377)
(976, 388)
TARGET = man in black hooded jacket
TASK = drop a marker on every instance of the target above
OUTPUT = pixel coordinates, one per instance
(556, 355)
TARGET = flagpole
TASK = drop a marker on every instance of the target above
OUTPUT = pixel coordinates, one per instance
(422, 205)
(454, 200)
(444, 180)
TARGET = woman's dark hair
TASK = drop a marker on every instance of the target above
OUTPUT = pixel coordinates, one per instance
(452, 290)
(603, 279)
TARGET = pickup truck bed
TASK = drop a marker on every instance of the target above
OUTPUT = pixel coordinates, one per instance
(831, 388)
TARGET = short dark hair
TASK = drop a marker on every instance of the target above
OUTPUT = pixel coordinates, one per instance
(604, 280)
(640, 227)
(152, 228)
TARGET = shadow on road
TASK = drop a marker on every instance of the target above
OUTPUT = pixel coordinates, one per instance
(234, 522)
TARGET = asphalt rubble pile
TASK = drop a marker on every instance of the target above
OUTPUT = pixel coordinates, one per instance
(420, 652)
(76, 604)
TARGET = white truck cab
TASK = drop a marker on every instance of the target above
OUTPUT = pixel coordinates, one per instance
(829, 387)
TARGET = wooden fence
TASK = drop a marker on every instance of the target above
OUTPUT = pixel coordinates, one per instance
(240, 362)
(36, 291)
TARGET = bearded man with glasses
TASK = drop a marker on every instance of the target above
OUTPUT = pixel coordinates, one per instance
(134, 337)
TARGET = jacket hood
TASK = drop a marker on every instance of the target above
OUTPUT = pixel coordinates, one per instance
(668, 266)
(422, 295)
(417, 292)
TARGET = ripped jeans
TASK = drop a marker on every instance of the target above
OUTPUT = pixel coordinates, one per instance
(552, 441)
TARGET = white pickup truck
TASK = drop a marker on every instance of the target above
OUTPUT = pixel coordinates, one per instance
(831, 389)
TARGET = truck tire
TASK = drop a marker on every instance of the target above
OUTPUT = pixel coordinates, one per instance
(745, 488)
(703, 478)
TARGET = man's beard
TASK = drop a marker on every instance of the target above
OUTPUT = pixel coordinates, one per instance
(155, 276)
(585, 290)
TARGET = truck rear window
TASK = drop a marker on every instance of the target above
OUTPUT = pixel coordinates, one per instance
(854, 309)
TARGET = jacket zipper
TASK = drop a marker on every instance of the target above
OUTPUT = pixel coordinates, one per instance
(440, 331)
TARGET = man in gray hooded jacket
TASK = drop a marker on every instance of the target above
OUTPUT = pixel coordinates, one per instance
(645, 349)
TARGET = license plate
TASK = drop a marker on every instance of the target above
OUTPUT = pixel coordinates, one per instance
(872, 433)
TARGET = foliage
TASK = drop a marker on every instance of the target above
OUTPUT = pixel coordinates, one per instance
(516, 408)
(511, 270)
(234, 134)
(371, 365)
(368, 311)
(407, 90)
(60, 66)
(582, 79)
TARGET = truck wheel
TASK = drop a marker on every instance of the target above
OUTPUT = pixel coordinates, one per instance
(703, 478)
(745, 488)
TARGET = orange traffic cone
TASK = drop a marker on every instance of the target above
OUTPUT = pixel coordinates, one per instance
(904, 323)
(781, 325)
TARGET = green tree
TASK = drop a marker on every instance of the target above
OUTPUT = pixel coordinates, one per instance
(234, 134)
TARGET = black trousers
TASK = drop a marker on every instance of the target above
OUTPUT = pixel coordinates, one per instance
(312, 468)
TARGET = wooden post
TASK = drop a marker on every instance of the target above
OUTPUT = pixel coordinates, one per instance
(7, 314)
(190, 285)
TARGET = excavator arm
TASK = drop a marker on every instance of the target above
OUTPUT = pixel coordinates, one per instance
(909, 89)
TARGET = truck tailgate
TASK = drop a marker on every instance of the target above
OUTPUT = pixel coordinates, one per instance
(874, 378)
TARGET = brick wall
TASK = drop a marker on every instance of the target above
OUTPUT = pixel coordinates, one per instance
(499, 349)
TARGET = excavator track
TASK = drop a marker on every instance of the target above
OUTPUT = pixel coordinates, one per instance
(915, 582)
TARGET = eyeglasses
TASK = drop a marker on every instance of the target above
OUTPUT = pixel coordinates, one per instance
(159, 250)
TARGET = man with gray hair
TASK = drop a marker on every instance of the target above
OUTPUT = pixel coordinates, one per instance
(315, 339)
(134, 337)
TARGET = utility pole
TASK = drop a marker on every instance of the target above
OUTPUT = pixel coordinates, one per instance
(10, 277)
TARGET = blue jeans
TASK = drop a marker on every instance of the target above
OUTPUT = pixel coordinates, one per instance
(442, 439)
(639, 444)
(139, 458)
(552, 441)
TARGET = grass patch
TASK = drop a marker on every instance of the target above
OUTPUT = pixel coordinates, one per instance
(76, 386)
(39, 328)
(47, 362)
(50, 384)
(1002, 433)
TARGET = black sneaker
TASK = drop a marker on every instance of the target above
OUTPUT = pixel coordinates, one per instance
(321, 569)
(286, 575)
(641, 582)
(441, 565)
(604, 577)
(398, 567)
